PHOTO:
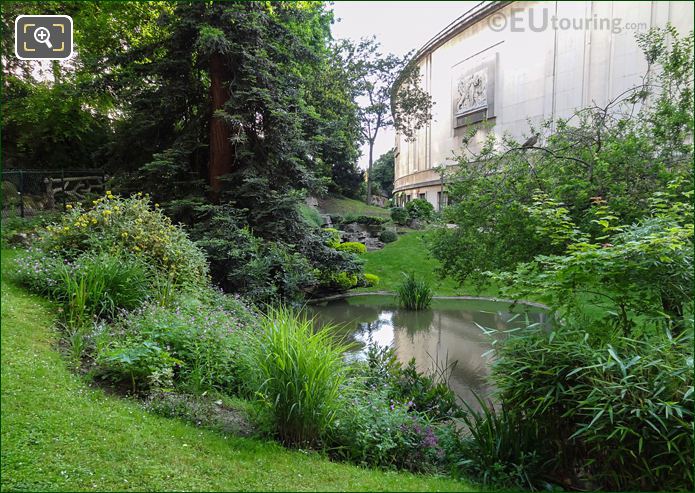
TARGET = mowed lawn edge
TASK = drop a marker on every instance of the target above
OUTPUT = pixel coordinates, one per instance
(410, 253)
(60, 434)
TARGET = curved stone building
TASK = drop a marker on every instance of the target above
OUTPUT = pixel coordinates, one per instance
(514, 62)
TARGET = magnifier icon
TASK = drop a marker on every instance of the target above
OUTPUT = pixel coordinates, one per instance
(43, 35)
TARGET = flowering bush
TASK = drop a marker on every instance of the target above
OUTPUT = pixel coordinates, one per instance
(114, 224)
(372, 430)
(204, 333)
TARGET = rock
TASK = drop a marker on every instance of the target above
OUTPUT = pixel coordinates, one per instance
(416, 224)
(327, 223)
(21, 239)
(312, 202)
(373, 244)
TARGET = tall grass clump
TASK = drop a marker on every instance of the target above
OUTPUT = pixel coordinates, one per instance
(298, 373)
(414, 293)
(497, 447)
(93, 285)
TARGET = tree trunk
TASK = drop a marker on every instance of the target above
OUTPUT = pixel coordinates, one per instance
(369, 173)
(220, 146)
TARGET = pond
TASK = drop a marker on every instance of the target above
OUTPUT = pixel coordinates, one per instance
(451, 331)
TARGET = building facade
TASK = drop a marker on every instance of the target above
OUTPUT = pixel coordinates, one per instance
(515, 63)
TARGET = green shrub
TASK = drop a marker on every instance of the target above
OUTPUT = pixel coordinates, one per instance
(297, 373)
(621, 413)
(368, 220)
(388, 236)
(373, 430)
(264, 271)
(426, 394)
(269, 271)
(145, 365)
(420, 209)
(340, 281)
(352, 247)
(399, 216)
(333, 237)
(12, 227)
(371, 280)
(132, 226)
(413, 293)
(434, 399)
(207, 333)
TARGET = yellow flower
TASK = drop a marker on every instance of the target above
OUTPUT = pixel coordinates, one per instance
(94, 221)
(94, 202)
(108, 192)
(116, 208)
(156, 205)
(107, 212)
(124, 234)
(68, 207)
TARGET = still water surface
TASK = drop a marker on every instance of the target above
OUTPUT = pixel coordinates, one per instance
(452, 330)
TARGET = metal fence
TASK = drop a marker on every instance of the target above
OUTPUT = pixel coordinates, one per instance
(27, 193)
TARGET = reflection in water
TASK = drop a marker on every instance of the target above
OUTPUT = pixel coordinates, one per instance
(452, 331)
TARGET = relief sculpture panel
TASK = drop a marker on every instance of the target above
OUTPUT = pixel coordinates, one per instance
(471, 92)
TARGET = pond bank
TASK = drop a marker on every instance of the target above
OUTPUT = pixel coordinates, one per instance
(493, 299)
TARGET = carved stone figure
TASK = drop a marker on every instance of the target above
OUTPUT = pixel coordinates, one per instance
(472, 92)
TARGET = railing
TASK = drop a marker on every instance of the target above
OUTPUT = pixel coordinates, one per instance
(29, 192)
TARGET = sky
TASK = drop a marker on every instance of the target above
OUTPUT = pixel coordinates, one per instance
(399, 27)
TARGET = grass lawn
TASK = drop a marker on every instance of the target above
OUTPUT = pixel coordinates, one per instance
(410, 254)
(60, 434)
(343, 206)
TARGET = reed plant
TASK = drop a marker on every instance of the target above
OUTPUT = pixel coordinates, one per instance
(298, 373)
(498, 446)
(414, 293)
